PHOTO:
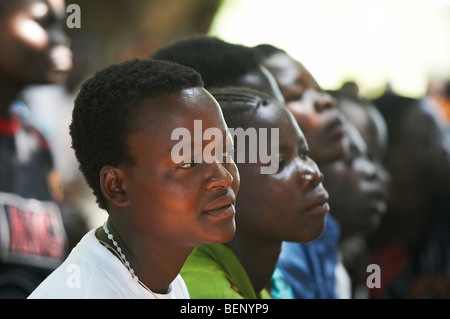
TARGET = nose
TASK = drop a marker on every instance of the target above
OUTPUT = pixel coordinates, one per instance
(309, 177)
(218, 176)
(324, 101)
(369, 169)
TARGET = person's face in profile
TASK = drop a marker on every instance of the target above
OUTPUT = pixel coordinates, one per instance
(34, 47)
(187, 202)
(358, 193)
(314, 110)
(290, 204)
(427, 144)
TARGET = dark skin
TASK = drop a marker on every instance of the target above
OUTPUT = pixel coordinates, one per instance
(34, 47)
(418, 159)
(358, 192)
(420, 167)
(314, 109)
(263, 81)
(372, 127)
(359, 184)
(288, 205)
(159, 210)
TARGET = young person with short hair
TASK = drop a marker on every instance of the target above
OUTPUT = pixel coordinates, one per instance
(159, 208)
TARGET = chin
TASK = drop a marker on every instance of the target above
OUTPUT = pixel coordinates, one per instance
(225, 234)
(307, 234)
(57, 77)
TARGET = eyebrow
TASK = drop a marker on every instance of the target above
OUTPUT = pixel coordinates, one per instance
(225, 134)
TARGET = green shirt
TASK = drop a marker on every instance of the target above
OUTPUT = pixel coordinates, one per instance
(213, 272)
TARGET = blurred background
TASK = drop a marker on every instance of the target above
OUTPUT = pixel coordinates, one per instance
(401, 43)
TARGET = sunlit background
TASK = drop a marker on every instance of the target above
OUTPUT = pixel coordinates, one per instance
(373, 42)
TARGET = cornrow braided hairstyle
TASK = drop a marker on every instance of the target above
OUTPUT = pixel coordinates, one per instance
(239, 104)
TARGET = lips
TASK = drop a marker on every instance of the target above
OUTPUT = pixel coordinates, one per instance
(62, 58)
(378, 207)
(222, 207)
(336, 127)
(319, 206)
(377, 198)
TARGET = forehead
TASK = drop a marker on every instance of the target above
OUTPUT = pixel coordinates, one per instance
(163, 114)
(357, 145)
(288, 71)
(262, 80)
(355, 113)
(275, 116)
(285, 68)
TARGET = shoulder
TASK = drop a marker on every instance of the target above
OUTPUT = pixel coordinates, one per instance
(81, 275)
(205, 275)
(180, 290)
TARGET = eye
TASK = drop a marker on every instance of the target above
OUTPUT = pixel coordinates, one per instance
(44, 16)
(304, 154)
(228, 155)
(281, 162)
(187, 165)
(45, 21)
(349, 160)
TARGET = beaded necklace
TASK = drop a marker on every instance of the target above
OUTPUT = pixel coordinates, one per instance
(123, 259)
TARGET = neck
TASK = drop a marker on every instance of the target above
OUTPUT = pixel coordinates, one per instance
(156, 264)
(259, 258)
(8, 93)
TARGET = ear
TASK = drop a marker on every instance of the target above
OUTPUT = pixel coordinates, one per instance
(112, 186)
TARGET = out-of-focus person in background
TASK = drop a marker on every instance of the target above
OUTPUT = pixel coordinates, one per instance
(313, 108)
(309, 268)
(222, 64)
(50, 110)
(412, 244)
(34, 231)
(359, 185)
(287, 203)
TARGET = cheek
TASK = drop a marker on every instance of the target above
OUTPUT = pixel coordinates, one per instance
(274, 194)
(177, 197)
(233, 170)
(304, 118)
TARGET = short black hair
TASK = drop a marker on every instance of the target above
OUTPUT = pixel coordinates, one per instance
(107, 110)
(220, 63)
(239, 104)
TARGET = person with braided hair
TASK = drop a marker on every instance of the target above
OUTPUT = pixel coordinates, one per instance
(289, 204)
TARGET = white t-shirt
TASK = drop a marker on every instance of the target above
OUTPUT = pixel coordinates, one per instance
(343, 281)
(91, 271)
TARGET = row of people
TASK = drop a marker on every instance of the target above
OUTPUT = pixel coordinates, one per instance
(307, 231)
